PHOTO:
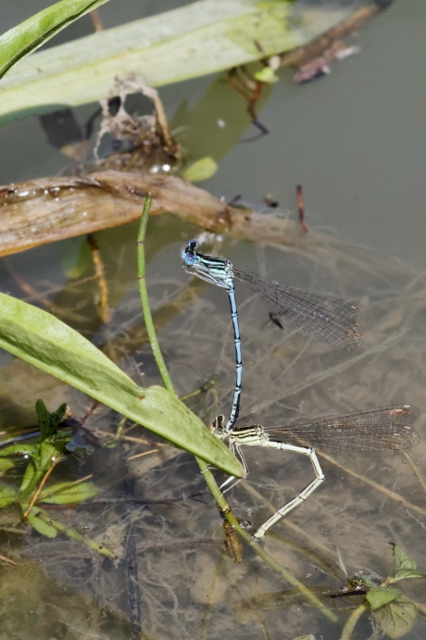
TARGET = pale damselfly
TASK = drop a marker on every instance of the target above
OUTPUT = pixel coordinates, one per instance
(384, 431)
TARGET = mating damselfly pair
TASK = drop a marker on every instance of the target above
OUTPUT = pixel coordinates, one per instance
(372, 432)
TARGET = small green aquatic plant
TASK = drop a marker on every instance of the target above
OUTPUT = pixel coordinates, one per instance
(42, 454)
(52, 346)
(392, 611)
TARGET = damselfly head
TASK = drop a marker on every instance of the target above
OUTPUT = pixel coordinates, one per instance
(214, 270)
(218, 427)
(188, 254)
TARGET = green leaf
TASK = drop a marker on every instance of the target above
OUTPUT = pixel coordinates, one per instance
(402, 561)
(29, 480)
(405, 574)
(47, 530)
(63, 493)
(17, 449)
(381, 596)
(397, 618)
(202, 169)
(49, 422)
(22, 40)
(43, 456)
(8, 496)
(48, 452)
(404, 567)
(198, 39)
(44, 341)
(6, 464)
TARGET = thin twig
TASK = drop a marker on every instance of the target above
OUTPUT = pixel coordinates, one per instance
(112, 438)
(61, 488)
(4, 559)
(416, 471)
(25, 286)
(141, 455)
(301, 55)
(376, 485)
(96, 20)
(40, 487)
(301, 208)
(103, 305)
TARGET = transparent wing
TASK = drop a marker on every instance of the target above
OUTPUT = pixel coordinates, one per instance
(377, 432)
(328, 319)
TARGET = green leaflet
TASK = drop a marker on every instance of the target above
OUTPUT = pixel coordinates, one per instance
(44, 341)
(25, 38)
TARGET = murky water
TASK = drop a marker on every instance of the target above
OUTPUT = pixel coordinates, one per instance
(352, 139)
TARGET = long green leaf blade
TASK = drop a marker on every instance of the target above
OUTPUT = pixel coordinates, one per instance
(44, 341)
(201, 38)
(26, 37)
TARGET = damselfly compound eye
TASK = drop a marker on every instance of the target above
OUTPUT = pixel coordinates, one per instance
(188, 259)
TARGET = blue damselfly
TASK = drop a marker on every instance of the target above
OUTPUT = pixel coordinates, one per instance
(328, 319)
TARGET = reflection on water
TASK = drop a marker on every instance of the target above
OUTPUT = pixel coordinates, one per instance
(173, 573)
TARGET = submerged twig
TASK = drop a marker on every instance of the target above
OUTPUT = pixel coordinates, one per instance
(416, 472)
(316, 47)
(40, 487)
(103, 306)
(376, 485)
(52, 492)
(141, 455)
(8, 560)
